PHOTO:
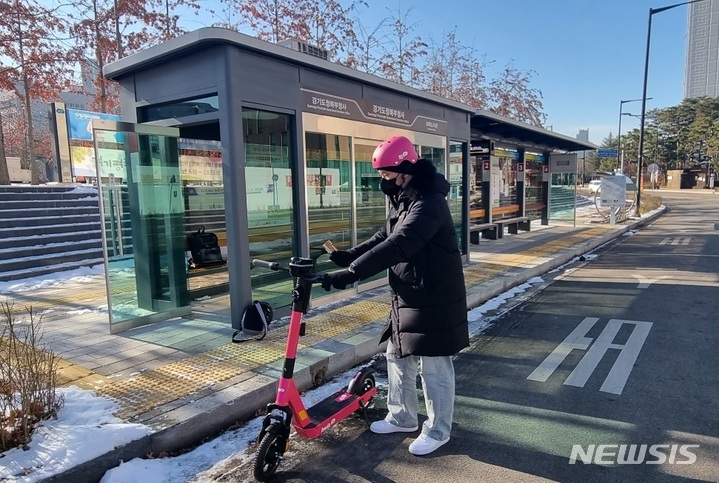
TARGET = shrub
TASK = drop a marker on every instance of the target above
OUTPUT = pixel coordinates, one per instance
(28, 378)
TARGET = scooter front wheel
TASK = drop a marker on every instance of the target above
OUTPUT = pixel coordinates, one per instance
(270, 451)
(362, 383)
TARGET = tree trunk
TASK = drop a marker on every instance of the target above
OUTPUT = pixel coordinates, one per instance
(118, 37)
(29, 142)
(100, 63)
(29, 150)
(4, 173)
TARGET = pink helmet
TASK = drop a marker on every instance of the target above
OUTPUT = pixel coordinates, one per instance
(392, 152)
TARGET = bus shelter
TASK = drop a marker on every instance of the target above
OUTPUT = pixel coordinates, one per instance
(513, 166)
(271, 151)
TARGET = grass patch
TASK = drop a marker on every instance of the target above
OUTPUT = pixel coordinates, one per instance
(649, 203)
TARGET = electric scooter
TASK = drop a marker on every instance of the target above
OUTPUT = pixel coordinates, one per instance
(288, 409)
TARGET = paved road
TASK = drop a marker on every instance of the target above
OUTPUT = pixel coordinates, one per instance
(620, 351)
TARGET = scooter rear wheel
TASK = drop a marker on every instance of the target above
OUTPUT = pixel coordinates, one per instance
(269, 452)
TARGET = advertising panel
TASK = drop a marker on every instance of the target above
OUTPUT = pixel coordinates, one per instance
(79, 125)
(112, 161)
(82, 152)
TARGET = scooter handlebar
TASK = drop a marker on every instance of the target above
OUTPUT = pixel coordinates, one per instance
(313, 277)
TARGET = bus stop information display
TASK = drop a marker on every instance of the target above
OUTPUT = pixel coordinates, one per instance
(613, 192)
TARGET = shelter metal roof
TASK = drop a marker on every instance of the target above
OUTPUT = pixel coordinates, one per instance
(209, 36)
(484, 124)
(491, 126)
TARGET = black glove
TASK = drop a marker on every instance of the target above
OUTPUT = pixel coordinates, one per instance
(339, 280)
(342, 258)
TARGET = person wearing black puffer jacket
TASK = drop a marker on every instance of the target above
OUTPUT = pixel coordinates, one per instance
(427, 322)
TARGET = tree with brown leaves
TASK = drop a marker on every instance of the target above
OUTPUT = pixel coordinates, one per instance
(274, 20)
(104, 31)
(34, 65)
(323, 23)
(453, 71)
(511, 95)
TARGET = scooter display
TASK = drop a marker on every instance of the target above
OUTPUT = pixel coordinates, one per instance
(288, 410)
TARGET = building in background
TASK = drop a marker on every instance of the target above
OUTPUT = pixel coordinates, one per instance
(583, 135)
(701, 71)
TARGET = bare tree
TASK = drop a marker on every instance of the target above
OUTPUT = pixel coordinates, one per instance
(228, 14)
(330, 26)
(405, 50)
(160, 20)
(455, 72)
(367, 53)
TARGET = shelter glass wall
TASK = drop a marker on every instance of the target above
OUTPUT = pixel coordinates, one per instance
(436, 155)
(329, 204)
(345, 203)
(146, 283)
(455, 176)
(562, 195)
(504, 184)
(533, 166)
(269, 199)
(477, 210)
(201, 175)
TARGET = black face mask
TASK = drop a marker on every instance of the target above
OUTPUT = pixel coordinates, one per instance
(389, 187)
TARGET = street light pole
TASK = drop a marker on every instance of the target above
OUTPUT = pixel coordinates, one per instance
(652, 11)
(619, 133)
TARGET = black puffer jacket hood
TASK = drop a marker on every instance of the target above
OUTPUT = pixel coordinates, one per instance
(418, 244)
(426, 180)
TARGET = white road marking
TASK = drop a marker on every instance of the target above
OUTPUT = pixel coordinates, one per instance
(620, 371)
(576, 340)
(684, 240)
(645, 282)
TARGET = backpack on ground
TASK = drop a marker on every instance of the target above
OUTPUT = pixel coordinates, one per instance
(205, 249)
(255, 320)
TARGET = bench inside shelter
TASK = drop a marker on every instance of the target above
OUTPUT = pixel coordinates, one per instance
(494, 230)
(477, 230)
(513, 225)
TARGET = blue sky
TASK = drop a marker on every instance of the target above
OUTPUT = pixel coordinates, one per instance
(586, 55)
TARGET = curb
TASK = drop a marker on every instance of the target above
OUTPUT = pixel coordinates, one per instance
(240, 401)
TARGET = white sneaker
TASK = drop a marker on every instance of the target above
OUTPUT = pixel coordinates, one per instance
(385, 427)
(425, 445)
